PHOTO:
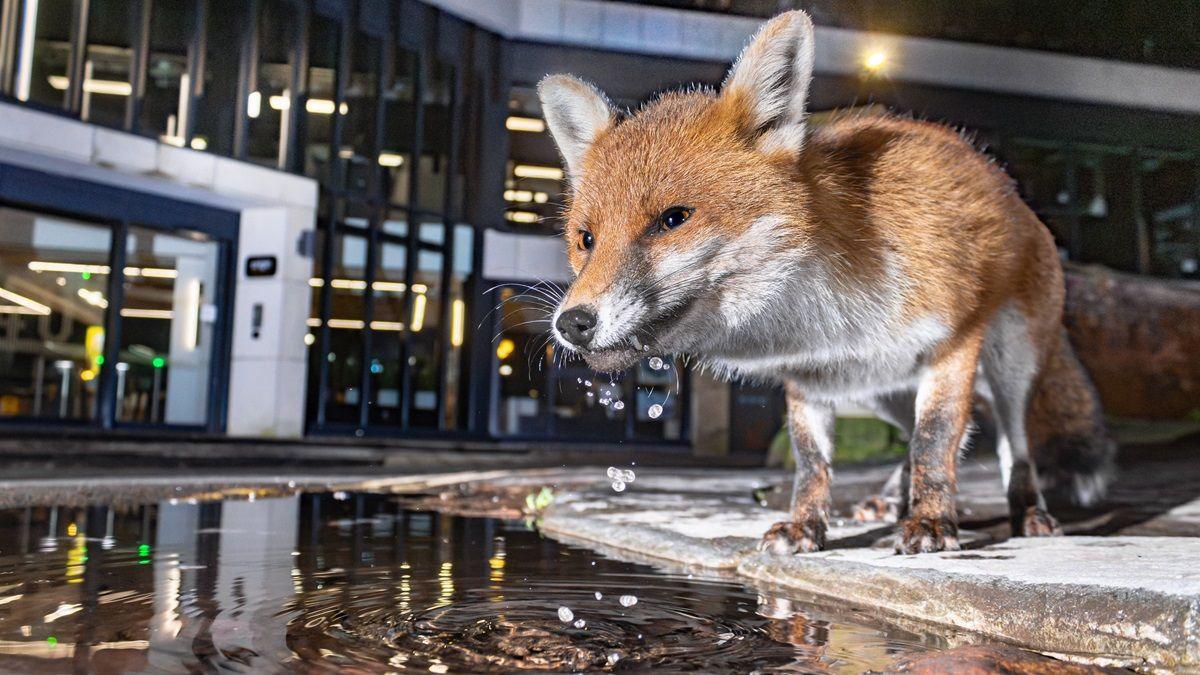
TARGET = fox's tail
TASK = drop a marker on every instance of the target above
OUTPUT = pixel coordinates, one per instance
(1069, 441)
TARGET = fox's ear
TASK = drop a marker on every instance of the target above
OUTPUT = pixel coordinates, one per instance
(770, 79)
(577, 114)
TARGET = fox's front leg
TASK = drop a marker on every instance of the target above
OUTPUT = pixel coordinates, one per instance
(943, 412)
(810, 425)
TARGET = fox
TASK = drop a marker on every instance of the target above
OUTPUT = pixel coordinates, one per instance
(878, 260)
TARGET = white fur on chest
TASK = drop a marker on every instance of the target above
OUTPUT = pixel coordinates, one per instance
(890, 359)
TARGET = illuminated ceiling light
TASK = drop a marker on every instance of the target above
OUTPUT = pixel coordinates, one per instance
(254, 105)
(353, 324)
(540, 197)
(17, 309)
(313, 322)
(530, 124)
(538, 171)
(349, 284)
(418, 317)
(518, 196)
(387, 325)
(505, 348)
(160, 273)
(875, 60)
(199, 143)
(522, 216)
(309, 339)
(346, 153)
(93, 298)
(505, 370)
(390, 159)
(343, 109)
(388, 286)
(316, 282)
(420, 288)
(103, 87)
(72, 268)
(320, 106)
(28, 303)
(136, 313)
(458, 315)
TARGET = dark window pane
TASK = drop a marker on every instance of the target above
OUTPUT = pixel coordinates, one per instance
(357, 154)
(320, 108)
(435, 143)
(163, 108)
(271, 98)
(425, 339)
(53, 281)
(524, 390)
(41, 74)
(216, 108)
(346, 323)
(388, 324)
(106, 87)
(398, 127)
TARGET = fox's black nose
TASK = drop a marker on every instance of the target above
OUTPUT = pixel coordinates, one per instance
(577, 325)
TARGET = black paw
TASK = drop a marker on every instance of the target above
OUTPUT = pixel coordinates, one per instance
(790, 537)
(926, 535)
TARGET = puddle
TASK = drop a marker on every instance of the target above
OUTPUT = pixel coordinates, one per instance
(358, 583)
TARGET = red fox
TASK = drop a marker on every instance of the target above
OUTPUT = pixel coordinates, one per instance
(877, 260)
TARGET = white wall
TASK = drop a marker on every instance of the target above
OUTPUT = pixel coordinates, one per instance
(267, 374)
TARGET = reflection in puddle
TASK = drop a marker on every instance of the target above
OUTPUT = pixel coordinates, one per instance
(315, 583)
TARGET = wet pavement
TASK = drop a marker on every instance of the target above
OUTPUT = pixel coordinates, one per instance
(335, 581)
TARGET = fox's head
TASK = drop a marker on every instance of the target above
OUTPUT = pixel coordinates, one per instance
(685, 217)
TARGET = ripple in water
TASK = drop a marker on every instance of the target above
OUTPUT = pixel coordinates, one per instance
(318, 583)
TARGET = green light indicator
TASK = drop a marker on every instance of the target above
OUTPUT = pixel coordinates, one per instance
(144, 550)
(158, 362)
(99, 360)
(86, 275)
(51, 640)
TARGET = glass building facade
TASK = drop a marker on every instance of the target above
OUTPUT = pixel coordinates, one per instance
(422, 131)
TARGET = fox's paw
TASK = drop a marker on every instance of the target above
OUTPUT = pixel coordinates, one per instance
(875, 509)
(926, 535)
(791, 537)
(1039, 523)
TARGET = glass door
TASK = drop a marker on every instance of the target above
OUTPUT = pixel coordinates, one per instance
(168, 327)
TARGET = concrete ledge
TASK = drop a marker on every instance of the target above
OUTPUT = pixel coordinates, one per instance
(1117, 600)
(1135, 600)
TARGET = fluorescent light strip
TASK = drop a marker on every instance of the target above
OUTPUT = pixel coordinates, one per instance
(522, 216)
(28, 303)
(361, 285)
(418, 318)
(355, 324)
(94, 298)
(135, 313)
(81, 268)
(536, 171)
(530, 124)
(106, 87)
(387, 326)
(457, 321)
(390, 159)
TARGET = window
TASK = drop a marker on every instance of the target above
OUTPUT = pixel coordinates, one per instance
(106, 68)
(320, 108)
(399, 120)
(165, 105)
(44, 55)
(216, 113)
(271, 96)
(53, 285)
(348, 287)
(167, 328)
(358, 154)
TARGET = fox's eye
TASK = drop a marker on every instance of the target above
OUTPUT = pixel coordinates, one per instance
(586, 240)
(674, 217)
